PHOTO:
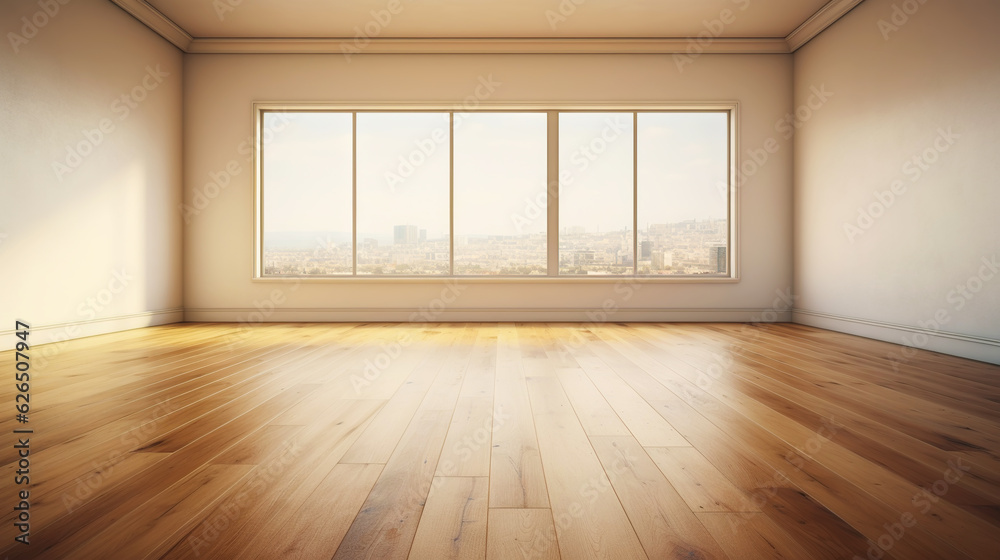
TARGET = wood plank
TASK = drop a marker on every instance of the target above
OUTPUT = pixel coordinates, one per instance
(48, 507)
(516, 476)
(148, 528)
(383, 362)
(942, 366)
(828, 536)
(258, 446)
(480, 376)
(82, 459)
(273, 494)
(453, 523)
(912, 458)
(664, 523)
(915, 459)
(753, 536)
(689, 409)
(698, 482)
(388, 519)
(595, 414)
(953, 428)
(903, 375)
(829, 495)
(317, 527)
(939, 424)
(467, 447)
(528, 534)
(92, 412)
(379, 440)
(644, 423)
(590, 521)
(117, 503)
(873, 479)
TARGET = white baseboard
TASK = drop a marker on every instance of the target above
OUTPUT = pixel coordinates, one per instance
(976, 348)
(965, 346)
(376, 315)
(46, 334)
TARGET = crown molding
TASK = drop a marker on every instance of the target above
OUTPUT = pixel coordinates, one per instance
(155, 20)
(818, 22)
(166, 28)
(482, 45)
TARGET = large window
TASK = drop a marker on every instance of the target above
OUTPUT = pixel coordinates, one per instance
(403, 192)
(424, 193)
(307, 210)
(596, 187)
(500, 169)
(683, 159)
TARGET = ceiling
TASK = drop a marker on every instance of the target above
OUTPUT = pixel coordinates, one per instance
(488, 25)
(486, 18)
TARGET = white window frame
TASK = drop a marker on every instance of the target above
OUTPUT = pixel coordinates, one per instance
(552, 229)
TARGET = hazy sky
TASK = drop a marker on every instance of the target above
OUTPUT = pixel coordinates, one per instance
(595, 167)
(420, 194)
(682, 162)
(307, 173)
(500, 161)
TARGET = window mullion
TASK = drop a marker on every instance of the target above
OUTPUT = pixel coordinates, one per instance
(635, 194)
(354, 193)
(552, 197)
(451, 193)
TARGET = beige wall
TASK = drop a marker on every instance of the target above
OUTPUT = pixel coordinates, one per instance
(899, 80)
(94, 245)
(219, 90)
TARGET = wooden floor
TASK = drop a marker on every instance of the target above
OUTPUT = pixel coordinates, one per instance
(526, 441)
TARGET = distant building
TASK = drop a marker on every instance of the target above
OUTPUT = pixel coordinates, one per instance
(717, 258)
(663, 260)
(405, 235)
(423, 235)
(645, 250)
(583, 257)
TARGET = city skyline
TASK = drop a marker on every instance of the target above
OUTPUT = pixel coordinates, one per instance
(383, 237)
(687, 247)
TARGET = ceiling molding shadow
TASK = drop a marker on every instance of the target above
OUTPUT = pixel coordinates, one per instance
(487, 45)
(179, 37)
(818, 22)
(155, 20)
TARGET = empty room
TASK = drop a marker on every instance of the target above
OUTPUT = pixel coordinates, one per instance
(500, 279)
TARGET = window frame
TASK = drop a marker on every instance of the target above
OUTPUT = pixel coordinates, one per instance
(731, 108)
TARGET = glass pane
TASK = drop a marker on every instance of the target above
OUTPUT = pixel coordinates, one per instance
(306, 193)
(403, 199)
(595, 193)
(683, 213)
(500, 195)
